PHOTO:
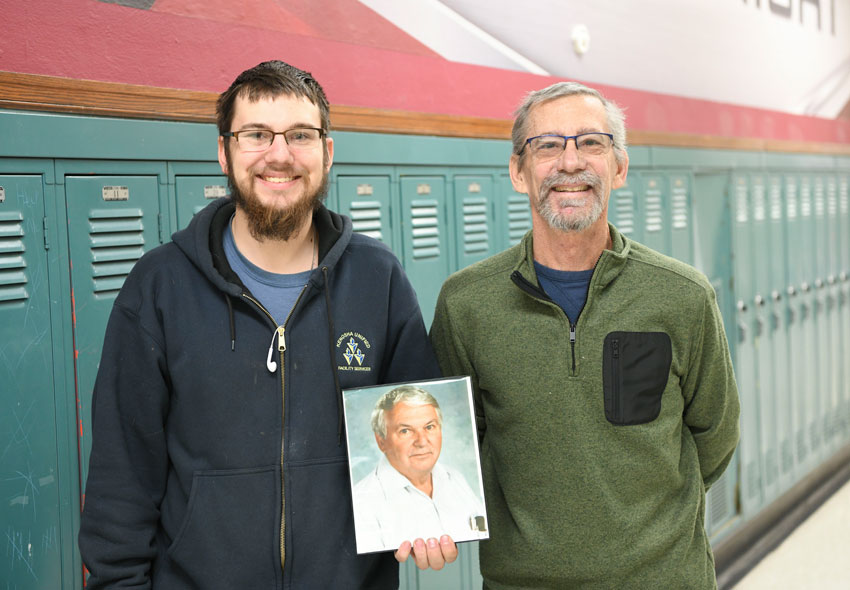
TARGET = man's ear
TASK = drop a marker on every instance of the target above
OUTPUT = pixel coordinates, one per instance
(622, 172)
(222, 156)
(381, 442)
(518, 174)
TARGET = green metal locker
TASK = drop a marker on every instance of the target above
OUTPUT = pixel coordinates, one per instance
(112, 220)
(513, 214)
(765, 370)
(623, 208)
(654, 212)
(680, 217)
(425, 244)
(366, 200)
(777, 314)
(752, 493)
(474, 219)
(844, 292)
(29, 464)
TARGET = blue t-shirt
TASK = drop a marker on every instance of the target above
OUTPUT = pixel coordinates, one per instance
(277, 292)
(567, 288)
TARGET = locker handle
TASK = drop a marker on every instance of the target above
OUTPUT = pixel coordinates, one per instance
(776, 295)
(792, 291)
(742, 306)
(805, 287)
(818, 284)
(843, 276)
(830, 279)
(759, 300)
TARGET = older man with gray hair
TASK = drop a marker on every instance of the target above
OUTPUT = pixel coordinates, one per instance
(604, 393)
(407, 495)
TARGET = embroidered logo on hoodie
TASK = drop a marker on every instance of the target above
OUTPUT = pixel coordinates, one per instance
(355, 349)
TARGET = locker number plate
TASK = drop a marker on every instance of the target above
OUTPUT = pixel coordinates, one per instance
(116, 193)
(214, 191)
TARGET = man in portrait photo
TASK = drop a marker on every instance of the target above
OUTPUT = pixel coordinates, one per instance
(409, 494)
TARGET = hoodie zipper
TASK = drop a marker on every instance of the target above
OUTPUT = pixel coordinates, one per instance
(281, 348)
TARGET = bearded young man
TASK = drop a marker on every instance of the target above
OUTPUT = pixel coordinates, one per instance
(604, 393)
(218, 457)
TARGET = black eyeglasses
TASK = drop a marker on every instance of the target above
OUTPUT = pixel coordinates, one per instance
(258, 140)
(549, 146)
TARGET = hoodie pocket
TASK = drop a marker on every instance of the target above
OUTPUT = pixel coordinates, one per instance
(229, 537)
(635, 369)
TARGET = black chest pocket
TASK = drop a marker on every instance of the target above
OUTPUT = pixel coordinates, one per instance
(635, 367)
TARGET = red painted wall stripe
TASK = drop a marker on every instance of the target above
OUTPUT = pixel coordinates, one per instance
(364, 62)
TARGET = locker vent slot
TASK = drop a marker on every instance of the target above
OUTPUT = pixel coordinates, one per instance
(654, 218)
(366, 218)
(831, 198)
(425, 228)
(843, 196)
(775, 199)
(791, 203)
(624, 205)
(13, 278)
(742, 206)
(117, 242)
(718, 501)
(820, 202)
(519, 218)
(475, 235)
(680, 207)
(805, 199)
(759, 208)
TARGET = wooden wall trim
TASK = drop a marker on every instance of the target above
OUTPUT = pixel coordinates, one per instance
(109, 99)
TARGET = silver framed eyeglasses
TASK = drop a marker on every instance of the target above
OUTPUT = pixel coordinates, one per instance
(258, 140)
(545, 147)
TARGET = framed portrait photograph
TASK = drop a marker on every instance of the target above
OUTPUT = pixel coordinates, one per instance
(414, 465)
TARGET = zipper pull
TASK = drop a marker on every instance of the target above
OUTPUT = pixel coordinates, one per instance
(572, 334)
(281, 346)
(281, 341)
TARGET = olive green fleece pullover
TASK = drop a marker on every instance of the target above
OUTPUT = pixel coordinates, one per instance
(600, 439)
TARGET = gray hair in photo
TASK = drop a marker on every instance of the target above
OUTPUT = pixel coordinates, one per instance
(616, 119)
(405, 394)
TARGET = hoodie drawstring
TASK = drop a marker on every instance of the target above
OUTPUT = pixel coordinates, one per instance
(232, 322)
(333, 356)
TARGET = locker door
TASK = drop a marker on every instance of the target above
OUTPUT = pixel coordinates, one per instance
(424, 238)
(844, 291)
(623, 208)
(475, 219)
(193, 193)
(655, 230)
(831, 287)
(29, 472)
(366, 200)
(820, 256)
(814, 379)
(778, 327)
(513, 213)
(112, 221)
(766, 386)
(745, 352)
(680, 217)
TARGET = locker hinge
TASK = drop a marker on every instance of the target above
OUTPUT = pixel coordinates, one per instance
(46, 237)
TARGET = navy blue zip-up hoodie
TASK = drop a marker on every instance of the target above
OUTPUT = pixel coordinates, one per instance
(217, 463)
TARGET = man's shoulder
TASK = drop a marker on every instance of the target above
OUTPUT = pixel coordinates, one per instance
(667, 270)
(485, 275)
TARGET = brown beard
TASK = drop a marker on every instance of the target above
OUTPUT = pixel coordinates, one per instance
(270, 222)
